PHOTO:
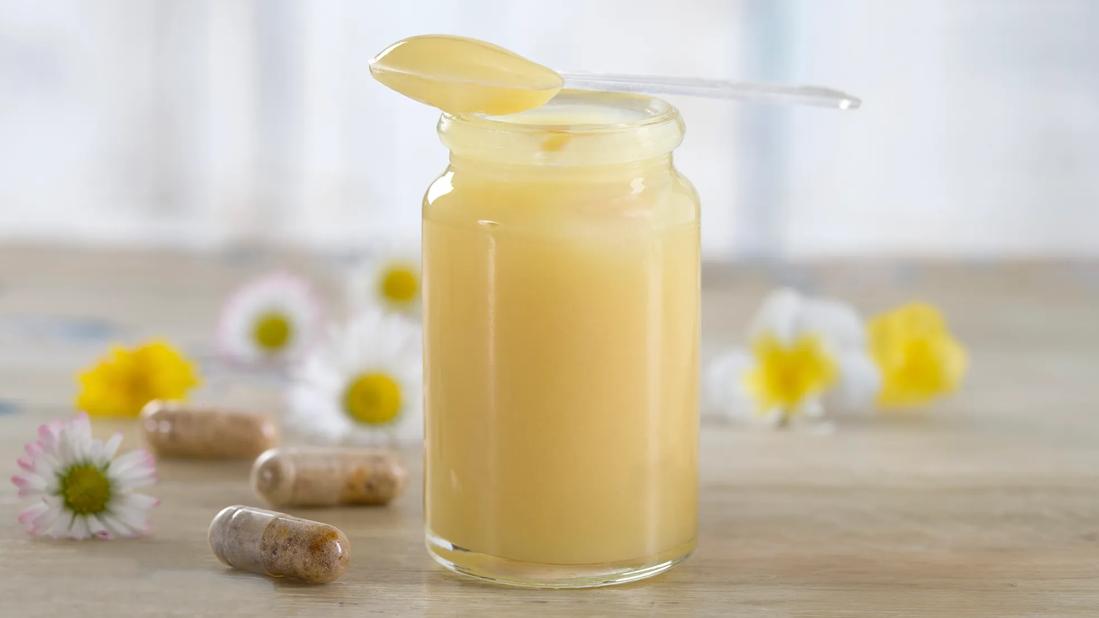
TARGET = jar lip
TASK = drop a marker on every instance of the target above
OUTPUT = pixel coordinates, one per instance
(637, 111)
(575, 128)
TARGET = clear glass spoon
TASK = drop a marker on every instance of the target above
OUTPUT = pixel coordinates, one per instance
(815, 96)
(463, 75)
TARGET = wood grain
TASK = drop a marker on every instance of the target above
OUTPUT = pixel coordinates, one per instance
(988, 506)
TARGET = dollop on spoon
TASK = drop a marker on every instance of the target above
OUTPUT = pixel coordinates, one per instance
(461, 75)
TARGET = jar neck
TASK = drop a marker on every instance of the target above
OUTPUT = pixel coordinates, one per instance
(520, 172)
(578, 132)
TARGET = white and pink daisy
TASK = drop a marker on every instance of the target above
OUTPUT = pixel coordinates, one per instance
(274, 318)
(80, 489)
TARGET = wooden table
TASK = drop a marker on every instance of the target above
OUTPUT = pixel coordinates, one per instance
(986, 505)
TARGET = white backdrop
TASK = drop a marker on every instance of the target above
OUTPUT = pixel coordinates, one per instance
(211, 122)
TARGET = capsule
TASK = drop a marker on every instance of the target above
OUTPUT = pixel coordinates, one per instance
(279, 545)
(327, 476)
(174, 429)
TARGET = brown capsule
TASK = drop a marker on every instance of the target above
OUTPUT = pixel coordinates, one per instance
(279, 545)
(175, 429)
(327, 476)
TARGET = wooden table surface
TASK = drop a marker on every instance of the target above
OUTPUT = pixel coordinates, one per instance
(987, 505)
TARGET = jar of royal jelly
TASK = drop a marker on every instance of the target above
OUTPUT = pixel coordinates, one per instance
(561, 322)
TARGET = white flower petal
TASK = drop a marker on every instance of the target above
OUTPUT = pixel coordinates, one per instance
(111, 447)
(96, 527)
(43, 462)
(837, 323)
(45, 521)
(120, 528)
(134, 521)
(48, 434)
(71, 453)
(80, 430)
(80, 529)
(725, 393)
(33, 514)
(859, 383)
(778, 315)
(54, 523)
(140, 502)
(29, 484)
(63, 451)
(132, 478)
(138, 460)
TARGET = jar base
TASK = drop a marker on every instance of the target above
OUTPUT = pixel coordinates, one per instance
(515, 573)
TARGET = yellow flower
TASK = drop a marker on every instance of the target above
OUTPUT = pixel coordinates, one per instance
(918, 357)
(124, 380)
(785, 376)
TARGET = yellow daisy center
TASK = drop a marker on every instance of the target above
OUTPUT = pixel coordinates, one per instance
(373, 399)
(786, 374)
(399, 284)
(85, 489)
(272, 330)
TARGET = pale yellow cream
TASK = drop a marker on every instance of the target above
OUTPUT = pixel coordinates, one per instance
(561, 324)
(460, 75)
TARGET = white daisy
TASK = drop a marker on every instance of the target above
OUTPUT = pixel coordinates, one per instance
(389, 281)
(807, 356)
(362, 386)
(81, 489)
(273, 318)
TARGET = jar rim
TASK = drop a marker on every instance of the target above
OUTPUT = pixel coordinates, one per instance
(576, 127)
(648, 110)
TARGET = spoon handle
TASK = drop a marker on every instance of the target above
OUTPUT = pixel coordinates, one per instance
(815, 96)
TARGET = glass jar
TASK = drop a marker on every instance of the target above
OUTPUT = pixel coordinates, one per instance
(561, 324)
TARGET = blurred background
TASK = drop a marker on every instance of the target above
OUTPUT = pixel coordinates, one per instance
(208, 124)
